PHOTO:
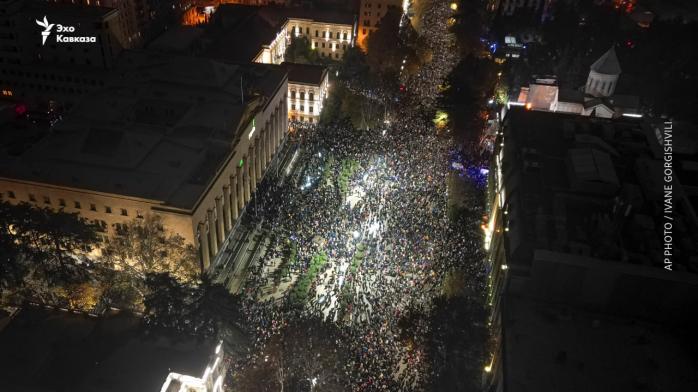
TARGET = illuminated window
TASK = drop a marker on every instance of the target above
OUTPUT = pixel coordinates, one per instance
(139, 214)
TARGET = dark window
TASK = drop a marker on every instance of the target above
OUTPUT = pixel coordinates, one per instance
(61, 202)
(124, 212)
(10, 194)
(107, 209)
(77, 205)
(32, 197)
(93, 207)
(311, 96)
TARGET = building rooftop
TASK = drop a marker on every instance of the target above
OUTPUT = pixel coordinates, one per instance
(607, 64)
(159, 131)
(557, 348)
(177, 40)
(589, 186)
(54, 351)
(305, 73)
(238, 32)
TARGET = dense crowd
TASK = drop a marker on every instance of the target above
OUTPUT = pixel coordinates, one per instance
(394, 211)
(384, 232)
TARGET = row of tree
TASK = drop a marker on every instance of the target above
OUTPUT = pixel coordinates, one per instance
(52, 256)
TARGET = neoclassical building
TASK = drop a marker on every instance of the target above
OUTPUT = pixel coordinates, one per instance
(185, 138)
(307, 90)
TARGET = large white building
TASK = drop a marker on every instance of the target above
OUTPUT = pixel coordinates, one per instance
(171, 136)
(307, 91)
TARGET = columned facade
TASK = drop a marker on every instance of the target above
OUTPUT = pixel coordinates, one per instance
(245, 174)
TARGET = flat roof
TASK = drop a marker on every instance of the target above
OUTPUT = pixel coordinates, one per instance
(564, 176)
(160, 130)
(50, 350)
(305, 73)
(556, 348)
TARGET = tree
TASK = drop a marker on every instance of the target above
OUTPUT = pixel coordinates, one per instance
(52, 239)
(12, 270)
(166, 303)
(203, 309)
(383, 49)
(143, 246)
(299, 51)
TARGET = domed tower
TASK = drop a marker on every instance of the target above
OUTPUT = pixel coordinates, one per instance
(603, 75)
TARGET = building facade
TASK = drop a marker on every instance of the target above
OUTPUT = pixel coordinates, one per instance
(370, 14)
(573, 225)
(307, 90)
(39, 73)
(131, 20)
(329, 38)
(159, 141)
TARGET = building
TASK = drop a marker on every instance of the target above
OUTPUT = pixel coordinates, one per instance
(597, 98)
(307, 90)
(54, 73)
(170, 135)
(131, 21)
(370, 14)
(261, 34)
(575, 230)
(211, 380)
(49, 349)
